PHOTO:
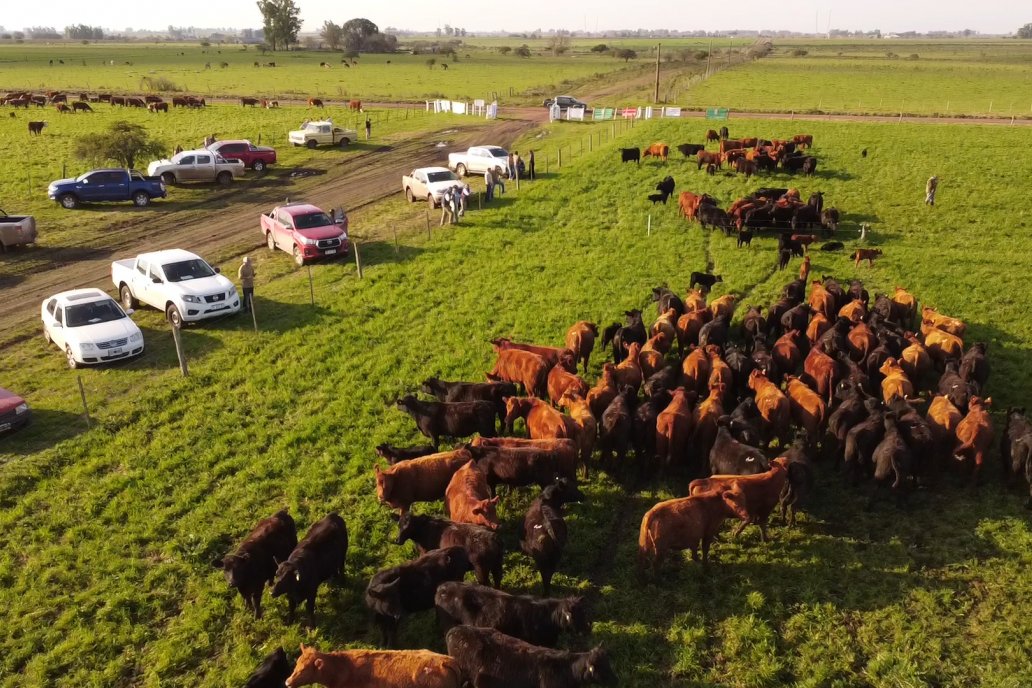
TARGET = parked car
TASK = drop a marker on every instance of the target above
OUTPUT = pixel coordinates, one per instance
(90, 327)
(428, 183)
(177, 282)
(196, 166)
(101, 186)
(254, 157)
(479, 159)
(566, 102)
(16, 230)
(305, 231)
(314, 134)
(14, 412)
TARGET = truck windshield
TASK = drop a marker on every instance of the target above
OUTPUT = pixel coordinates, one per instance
(496, 152)
(92, 313)
(312, 220)
(440, 177)
(187, 270)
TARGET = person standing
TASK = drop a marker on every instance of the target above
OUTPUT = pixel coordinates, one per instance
(930, 188)
(464, 193)
(489, 186)
(456, 203)
(246, 276)
(499, 180)
(446, 207)
(511, 164)
(368, 128)
(530, 166)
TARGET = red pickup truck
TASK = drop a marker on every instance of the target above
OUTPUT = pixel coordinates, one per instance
(305, 231)
(254, 157)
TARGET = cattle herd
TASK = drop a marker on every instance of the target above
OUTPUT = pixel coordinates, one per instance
(880, 391)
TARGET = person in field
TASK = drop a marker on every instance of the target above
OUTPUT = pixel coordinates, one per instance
(464, 193)
(930, 188)
(530, 165)
(447, 215)
(499, 180)
(489, 182)
(511, 164)
(246, 275)
(368, 128)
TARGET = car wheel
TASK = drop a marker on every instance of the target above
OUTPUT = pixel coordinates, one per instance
(258, 166)
(72, 363)
(298, 257)
(141, 199)
(175, 318)
(311, 143)
(46, 335)
(128, 301)
(224, 178)
(168, 178)
(344, 142)
(460, 170)
(69, 202)
(430, 201)
(270, 241)
(409, 197)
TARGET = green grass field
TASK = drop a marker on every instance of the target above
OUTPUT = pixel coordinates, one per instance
(109, 532)
(956, 78)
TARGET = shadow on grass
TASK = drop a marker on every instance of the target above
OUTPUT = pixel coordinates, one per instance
(279, 316)
(381, 252)
(47, 428)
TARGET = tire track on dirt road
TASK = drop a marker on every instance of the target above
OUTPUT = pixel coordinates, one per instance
(227, 224)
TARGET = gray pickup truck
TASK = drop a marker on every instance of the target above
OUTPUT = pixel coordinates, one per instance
(16, 230)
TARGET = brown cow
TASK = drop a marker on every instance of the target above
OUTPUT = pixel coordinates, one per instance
(694, 300)
(786, 353)
(64, 109)
(915, 359)
(695, 370)
(543, 421)
(158, 107)
(711, 135)
(896, 383)
(382, 668)
(656, 150)
(707, 158)
(772, 405)
(704, 418)
(468, 498)
(941, 345)
(760, 493)
(943, 418)
(868, 254)
(823, 370)
(804, 269)
(818, 326)
(628, 372)
(689, 325)
(686, 523)
(944, 322)
(667, 324)
(904, 305)
(855, 311)
(580, 413)
(975, 434)
(720, 372)
(650, 358)
(808, 409)
(674, 426)
(725, 305)
(523, 367)
(580, 339)
(604, 391)
(561, 381)
(803, 140)
(355, 105)
(861, 341)
(315, 102)
(821, 300)
(731, 144)
(419, 480)
(549, 353)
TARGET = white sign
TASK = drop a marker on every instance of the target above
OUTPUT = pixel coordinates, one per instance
(575, 114)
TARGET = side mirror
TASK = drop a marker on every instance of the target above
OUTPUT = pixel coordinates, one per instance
(218, 270)
(156, 280)
(57, 324)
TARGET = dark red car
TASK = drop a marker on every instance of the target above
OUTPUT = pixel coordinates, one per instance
(14, 412)
(253, 157)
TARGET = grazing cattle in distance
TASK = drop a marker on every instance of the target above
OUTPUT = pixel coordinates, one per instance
(418, 480)
(355, 105)
(393, 454)
(270, 64)
(135, 102)
(690, 149)
(382, 668)
(249, 102)
(712, 135)
(543, 536)
(580, 339)
(64, 109)
(255, 560)
(468, 498)
(707, 158)
(158, 107)
(759, 493)
(803, 140)
(493, 658)
(450, 419)
(118, 100)
(36, 128)
(685, 523)
(630, 154)
(315, 102)
(531, 619)
(272, 673)
(868, 254)
(317, 558)
(657, 150)
(153, 99)
(81, 106)
(483, 545)
(398, 591)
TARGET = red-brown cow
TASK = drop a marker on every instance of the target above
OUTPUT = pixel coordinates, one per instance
(468, 498)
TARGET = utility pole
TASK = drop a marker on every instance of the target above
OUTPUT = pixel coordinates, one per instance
(659, 50)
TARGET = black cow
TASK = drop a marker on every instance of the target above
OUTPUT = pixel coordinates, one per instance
(451, 419)
(805, 217)
(622, 336)
(786, 242)
(254, 563)
(745, 237)
(712, 216)
(740, 364)
(644, 423)
(796, 318)
(482, 545)
(954, 387)
(690, 149)
(769, 192)
(800, 482)
(830, 219)
(793, 163)
(543, 536)
(658, 198)
(534, 620)
(495, 392)
(521, 466)
(892, 460)
(723, 132)
(666, 186)
(704, 279)
(667, 299)
(666, 379)
(273, 673)
(832, 246)
(400, 590)
(809, 165)
(616, 425)
(730, 457)
(1016, 449)
(861, 441)
(491, 658)
(714, 332)
(746, 423)
(395, 454)
(317, 558)
(629, 154)
(974, 366)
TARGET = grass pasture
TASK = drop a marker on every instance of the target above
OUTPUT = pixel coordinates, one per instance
(947, 78)
(109, 532)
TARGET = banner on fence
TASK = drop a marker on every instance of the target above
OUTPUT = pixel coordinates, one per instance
(671, 111)
(603, 113)
(492, 110)
(576, 114)
(458, 108)
(629, 113)
(717, 113)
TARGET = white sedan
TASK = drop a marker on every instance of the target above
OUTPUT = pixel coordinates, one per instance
(90, 327)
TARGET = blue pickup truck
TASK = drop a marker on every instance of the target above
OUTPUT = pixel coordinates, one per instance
(106, 185)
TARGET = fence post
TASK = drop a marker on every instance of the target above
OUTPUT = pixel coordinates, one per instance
(591, 138)
(648, 230)
(990, 106)
(311, 285)
(427, 224)
(358, 261)
(179, 351)
(85, 408)
(397, 249)
(254, 316)
(559, 156)
(479, 206)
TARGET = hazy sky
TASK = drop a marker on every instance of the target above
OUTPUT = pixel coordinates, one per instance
(987, 16)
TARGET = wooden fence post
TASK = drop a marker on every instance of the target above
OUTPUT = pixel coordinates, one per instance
(311, 285)
(560, 158)
(397, 249)
(428, 225)
(85, 408)
(358, 261)
(179, 351)
(254, 316)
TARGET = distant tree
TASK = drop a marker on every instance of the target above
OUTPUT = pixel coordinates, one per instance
(523, 51)
(463, 32)
(205, 44)
(448, 30)
(123, 143)
(332, 34)
(281, 22)
(913, 56)
(600, 48)
(431, 62)
(626, 54)
(438, 31)
(559, 44)
(504, 49)
(18, 35)
(380, 43)
(799, 52)
(356, 31)
(1025, 31)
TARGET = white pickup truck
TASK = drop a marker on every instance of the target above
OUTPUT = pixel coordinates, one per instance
(314, 134)
(177, 282)
(196, 166)
(479, 159)
(16, 230)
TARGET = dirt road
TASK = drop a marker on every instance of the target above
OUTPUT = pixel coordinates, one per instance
(227, 222)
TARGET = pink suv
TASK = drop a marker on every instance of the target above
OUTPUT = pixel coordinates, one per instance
(305, 231)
